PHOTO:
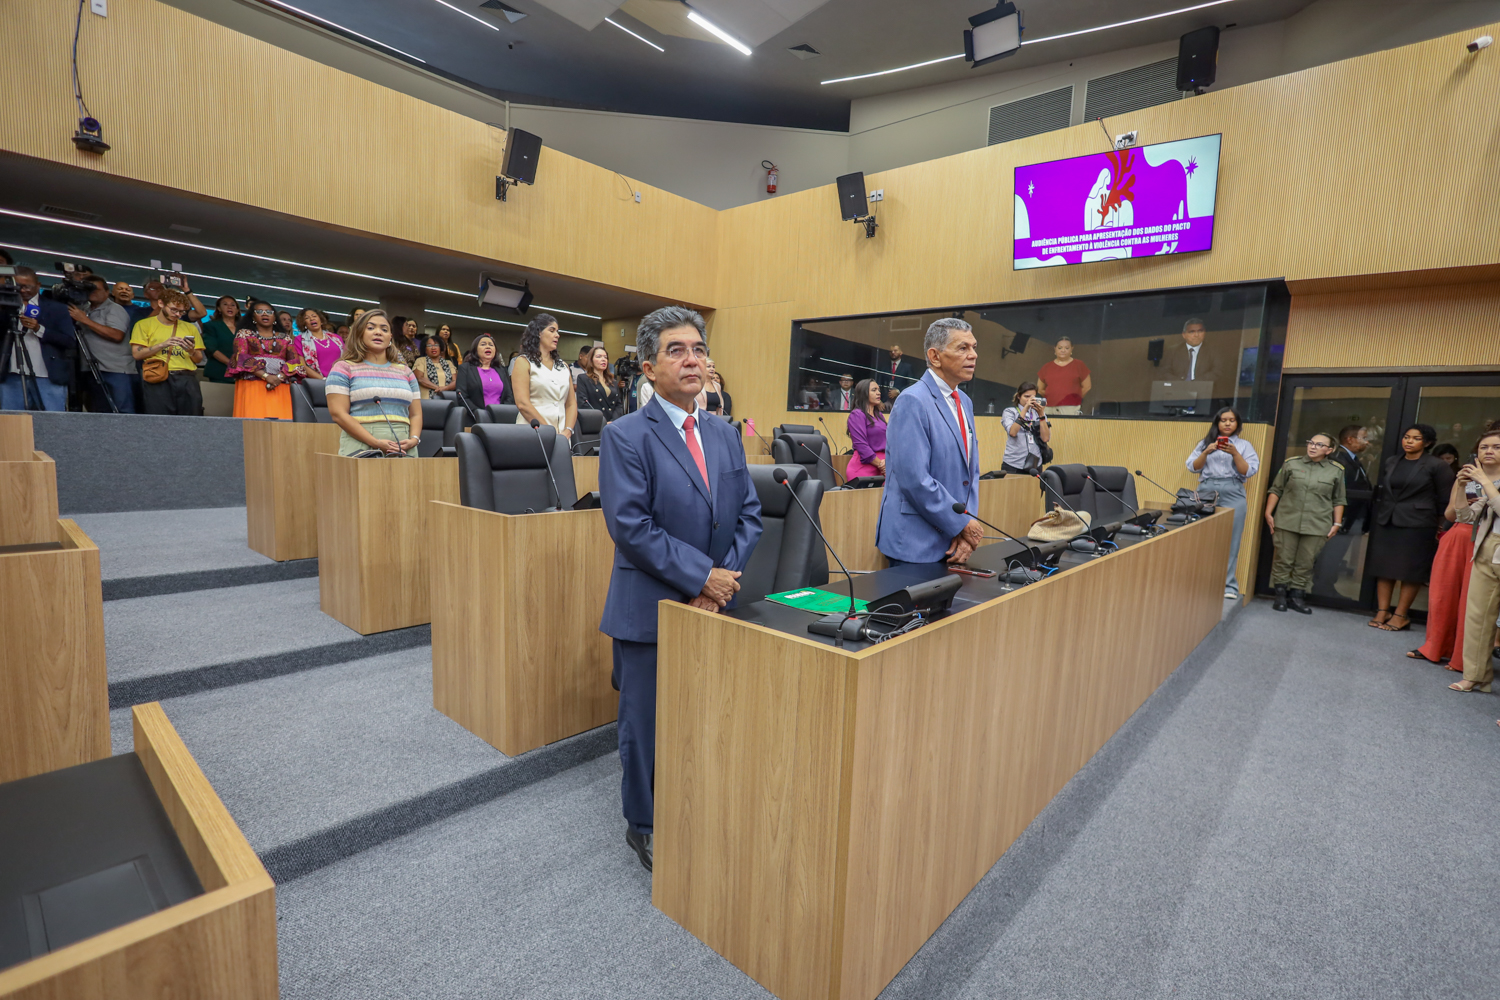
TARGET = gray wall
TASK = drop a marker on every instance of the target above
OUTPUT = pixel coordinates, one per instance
(110, 462)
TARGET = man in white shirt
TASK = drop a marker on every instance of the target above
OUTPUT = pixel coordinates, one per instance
(842, 398)
(1188, 361)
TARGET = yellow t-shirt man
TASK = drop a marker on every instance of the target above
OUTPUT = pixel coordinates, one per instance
(152, 331)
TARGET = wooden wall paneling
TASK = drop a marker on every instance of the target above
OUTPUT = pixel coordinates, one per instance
(28, 499)
(586, 473)
(221, 944)
(1012, 503)
(1402, 328)
(280, 489)
(521, 687)
(54, 693)
(16, 443)
(753, 730)
(850, 518)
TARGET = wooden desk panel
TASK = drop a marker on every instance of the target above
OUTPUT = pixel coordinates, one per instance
(28, 499)
(586, 473)
(281, 494)
(849, 520)
(1012, 503)
(373, 551)
(16, 442)
(54, 693)
(537, 677)
(821, 812)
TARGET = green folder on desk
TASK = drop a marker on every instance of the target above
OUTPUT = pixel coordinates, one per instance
(819, 602)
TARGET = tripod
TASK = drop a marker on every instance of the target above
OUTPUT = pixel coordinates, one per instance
(13, 344)
(93, 366)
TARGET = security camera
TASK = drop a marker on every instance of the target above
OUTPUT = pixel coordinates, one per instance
(1482, 42)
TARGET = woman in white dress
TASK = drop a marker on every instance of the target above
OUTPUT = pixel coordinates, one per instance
(542, 380)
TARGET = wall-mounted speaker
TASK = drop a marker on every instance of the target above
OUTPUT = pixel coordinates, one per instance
(852, 201)
(1198, 58)
(522, 149)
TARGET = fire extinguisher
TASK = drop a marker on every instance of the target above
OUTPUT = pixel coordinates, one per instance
(771, 169)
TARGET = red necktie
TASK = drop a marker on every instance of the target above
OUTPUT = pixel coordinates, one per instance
(962, 431)
(692, 443)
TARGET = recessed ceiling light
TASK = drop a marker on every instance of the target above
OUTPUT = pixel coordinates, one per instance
(714, 29)
(632, 34)
(492, 27)
(340, 27)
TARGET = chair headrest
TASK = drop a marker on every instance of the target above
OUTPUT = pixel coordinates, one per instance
(796, 429)
(806, 447)
(316, 388)
(590, 421)
(1112, 477)
(776, 499)
(1071, 477)
(504, 413)
(435, 413)
(514, 446)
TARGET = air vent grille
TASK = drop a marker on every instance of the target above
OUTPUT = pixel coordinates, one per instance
(1131, 90)
(57, 211)
(1031, 115)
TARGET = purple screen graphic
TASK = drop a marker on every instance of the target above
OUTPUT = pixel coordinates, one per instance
(1141, 202)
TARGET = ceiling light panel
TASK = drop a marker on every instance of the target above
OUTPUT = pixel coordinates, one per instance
(348, 31)
(632, 34)
(723, 35)
(587, 14)
(755, 21)
(472, 17)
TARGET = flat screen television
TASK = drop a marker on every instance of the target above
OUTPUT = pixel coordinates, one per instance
(1146, 201)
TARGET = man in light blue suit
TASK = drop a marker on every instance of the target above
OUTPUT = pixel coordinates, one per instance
(932, 457)
(684, 516)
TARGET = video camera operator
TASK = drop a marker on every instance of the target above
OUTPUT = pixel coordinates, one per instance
(39, 378)
(1027, 429)
(106, 332)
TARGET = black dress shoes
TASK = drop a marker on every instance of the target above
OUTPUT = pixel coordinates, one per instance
(641, 844)
(1295, 599)
(1280, 603)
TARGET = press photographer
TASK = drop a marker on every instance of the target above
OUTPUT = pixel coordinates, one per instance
(106, 334)
(1028, 430)
(34, 366)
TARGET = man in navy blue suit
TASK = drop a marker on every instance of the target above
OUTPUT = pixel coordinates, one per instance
(46, 337)
(932, 457)
(680, 506)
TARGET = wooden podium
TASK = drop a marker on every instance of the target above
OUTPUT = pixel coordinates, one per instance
(221, 944)
(820, 811)
(28, 486)
(281, 495)
(517, 655)
(373, 545)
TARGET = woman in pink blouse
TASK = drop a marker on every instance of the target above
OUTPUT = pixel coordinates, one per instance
(321, 347)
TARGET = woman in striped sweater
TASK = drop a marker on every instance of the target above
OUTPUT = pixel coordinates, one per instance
(377, 404)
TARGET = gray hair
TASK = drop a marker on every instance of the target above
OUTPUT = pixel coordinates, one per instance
(648, 334)
(941, 330)
(1194, 321)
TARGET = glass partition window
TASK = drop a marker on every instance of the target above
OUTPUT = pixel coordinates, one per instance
(1162, 355)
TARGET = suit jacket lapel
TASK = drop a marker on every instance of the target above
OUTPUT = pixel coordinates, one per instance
(941, 402)
(667, 432)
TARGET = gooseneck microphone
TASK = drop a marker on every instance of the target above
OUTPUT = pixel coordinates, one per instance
(1141, 522)
(1106, 489)
(536, 425)
(838, 639)
(829, 431)
(1032, 552)
(391, 427)
(473, 415)
(825, 461)
(1153, 482)
(1061, 499)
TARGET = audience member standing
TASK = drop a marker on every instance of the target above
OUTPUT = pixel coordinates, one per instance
(171, 350)
(479, 378)
(716, 397)
(321, 347)
(1064, 381)
(898, 373)
(1448, 586)
(842, 396)
(405, 332)
(596, 387)
(267, 360)
(450, 349)
(1027, 429)
(106, 330)
(434, 372)
(372, 395)
(39, 380)
(542, 380)
(934, 457)
(1354, 439)
(867, 432)
(219, 331)
(684, 517)
(1223, 461)
(1409, 501)
(1480, 483)
(285, 324)
(1304, 508)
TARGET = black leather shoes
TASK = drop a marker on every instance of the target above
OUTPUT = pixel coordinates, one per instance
(1280, 603)
(641, 844)
(1295, 600)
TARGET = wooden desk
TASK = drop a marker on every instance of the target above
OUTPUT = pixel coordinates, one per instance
(849, 518)
(28, 486)
(517, 655)
(1012, 503)
(373, 550)
(281, 495)
(221, 944)
(819, 812)
(54, 693)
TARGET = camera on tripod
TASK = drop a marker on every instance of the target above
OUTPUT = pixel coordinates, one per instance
(10, 293)
(73, 290)
(628, 367)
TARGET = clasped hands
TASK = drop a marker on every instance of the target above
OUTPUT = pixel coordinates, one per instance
(964, 543)
(718, 590)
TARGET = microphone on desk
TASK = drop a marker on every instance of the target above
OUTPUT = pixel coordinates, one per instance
(1031, 551)
(838, 638)
(842, 480)
(1168, 492)
(473, 415)
(827, 430)
(391, 427)
(1142, 522)
(536, 425)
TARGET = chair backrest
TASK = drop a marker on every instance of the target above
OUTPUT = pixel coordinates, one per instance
(1118, 480)
(587, 432)
(781, 429)
(1073, 484)
(310, 402)
(436, 414)
(501, 468)
(502, 413)
(805, 450)
(786, 557)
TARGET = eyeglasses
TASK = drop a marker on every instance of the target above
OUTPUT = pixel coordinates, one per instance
(1319, 444)
(677, 352)
(265, 312)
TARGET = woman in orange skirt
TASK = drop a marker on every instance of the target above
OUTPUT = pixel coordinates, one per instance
(1448, 595)
(266, 362)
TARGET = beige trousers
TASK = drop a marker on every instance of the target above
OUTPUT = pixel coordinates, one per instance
(1479, 616)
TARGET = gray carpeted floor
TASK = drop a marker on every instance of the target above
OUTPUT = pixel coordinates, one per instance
(1299, 812)
(153, 542)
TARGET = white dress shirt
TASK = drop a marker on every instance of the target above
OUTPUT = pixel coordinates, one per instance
(679, 417)
(33, 342)
(958, 423)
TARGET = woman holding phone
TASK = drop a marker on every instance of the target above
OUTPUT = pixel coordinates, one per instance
(1223, 461)
(1027, 429)
(1478, 492)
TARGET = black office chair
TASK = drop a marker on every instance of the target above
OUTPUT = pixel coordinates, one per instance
(1118, 480)
(502, 413)
(310, 402)
(1070, 481)
(587, 431)
(809, 451)
(781, 429)
(501, 468)
(785, 558)
(442, 420)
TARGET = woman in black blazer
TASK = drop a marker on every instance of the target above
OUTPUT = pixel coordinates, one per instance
(596, 386)
(1409, 501)
(483, 356)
